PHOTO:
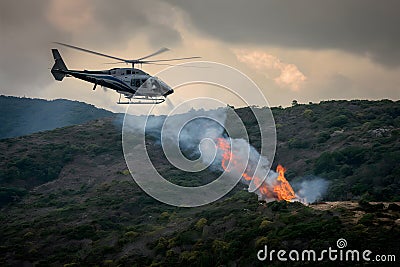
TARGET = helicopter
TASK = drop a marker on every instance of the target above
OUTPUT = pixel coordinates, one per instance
(137, 86)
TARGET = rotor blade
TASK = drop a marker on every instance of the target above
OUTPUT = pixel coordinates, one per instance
(92, 52)
(114, 63)
(181, 66)
(162, 50)
(172, 59)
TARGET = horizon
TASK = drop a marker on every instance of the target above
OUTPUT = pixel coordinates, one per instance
(197, 109)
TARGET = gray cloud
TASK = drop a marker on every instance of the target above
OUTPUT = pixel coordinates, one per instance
(23, 31)
(366, 27)
(28, 28)
(125, 19)
(361, 27)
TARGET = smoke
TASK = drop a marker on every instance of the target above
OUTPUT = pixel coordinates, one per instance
(194, 126)
(183, 130)
(311, 189)
(199, 139)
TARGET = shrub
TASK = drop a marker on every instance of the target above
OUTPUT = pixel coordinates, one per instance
(309, 114)
(323, 137)
(367, 219)
(338, 121)
(8, 195)
(164, 215)
(261, 241)
(295, 143)
(264, 224)
(219, 246)
(200, 223)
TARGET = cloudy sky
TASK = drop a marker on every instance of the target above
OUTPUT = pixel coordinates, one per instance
(309, 50)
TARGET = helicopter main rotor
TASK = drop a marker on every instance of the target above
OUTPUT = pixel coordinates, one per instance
(131, 61)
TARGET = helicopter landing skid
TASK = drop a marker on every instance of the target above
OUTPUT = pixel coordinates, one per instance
(139, 100)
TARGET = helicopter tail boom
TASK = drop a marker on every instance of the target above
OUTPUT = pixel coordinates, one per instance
(59, 67)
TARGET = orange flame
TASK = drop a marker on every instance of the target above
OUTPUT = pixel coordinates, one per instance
(280, 191)
(283, 190)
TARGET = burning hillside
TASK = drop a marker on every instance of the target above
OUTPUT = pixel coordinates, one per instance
(275, 188)
(204, 137)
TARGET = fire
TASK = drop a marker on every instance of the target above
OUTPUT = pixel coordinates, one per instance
(279, 189)
(283, 190)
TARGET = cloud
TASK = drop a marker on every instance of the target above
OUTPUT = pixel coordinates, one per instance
(364, 27)
(25, 37)
(70, 16)
(330, 42)
(28, 29)
(289, 76)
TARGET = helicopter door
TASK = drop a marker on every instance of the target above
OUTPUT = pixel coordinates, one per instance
(133, 79)
(125, 75)
(135, 82)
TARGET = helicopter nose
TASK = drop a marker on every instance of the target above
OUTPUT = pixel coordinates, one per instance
(170, 91)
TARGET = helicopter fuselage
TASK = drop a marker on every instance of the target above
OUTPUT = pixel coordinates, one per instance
(127, 81)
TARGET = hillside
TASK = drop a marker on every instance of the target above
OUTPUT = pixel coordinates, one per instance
(22, 116)
(354, 144)
(68, 198)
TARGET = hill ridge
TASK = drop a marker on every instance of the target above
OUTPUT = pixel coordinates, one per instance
(21, 115)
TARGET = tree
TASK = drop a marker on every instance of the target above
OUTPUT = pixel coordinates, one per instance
(309, 114)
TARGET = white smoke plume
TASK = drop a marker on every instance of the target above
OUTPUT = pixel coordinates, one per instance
(200, 135)
(311, 189)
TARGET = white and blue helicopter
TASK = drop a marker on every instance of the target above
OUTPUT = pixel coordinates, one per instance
(136, 85)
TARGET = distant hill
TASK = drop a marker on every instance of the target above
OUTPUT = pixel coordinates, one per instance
(21, 116)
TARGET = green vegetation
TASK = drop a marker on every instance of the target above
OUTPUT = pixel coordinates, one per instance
(8, 195)
(67, 197)
(354, 144)
(145, 232)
